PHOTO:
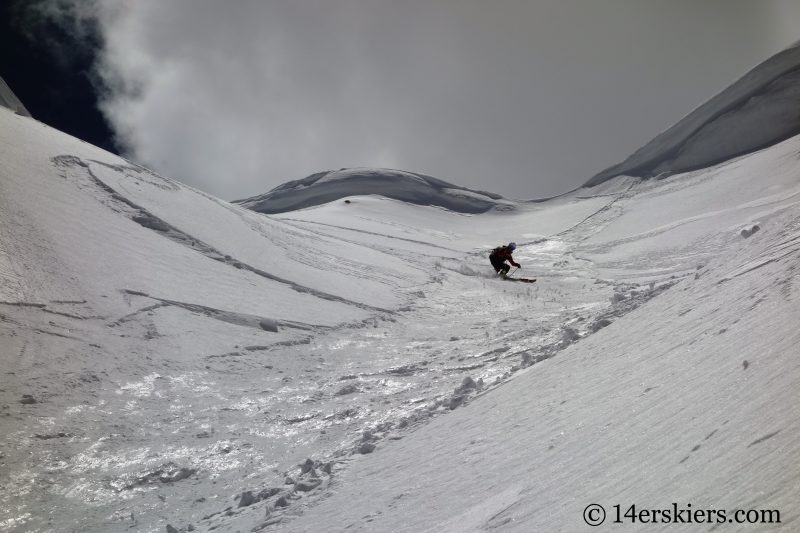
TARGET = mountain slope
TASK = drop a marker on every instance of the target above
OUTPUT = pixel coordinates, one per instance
(688, 398)
(759, 110)
(165, 351)
(170, 358)
(130, 303)
(408, 187)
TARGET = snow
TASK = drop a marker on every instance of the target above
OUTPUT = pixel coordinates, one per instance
(758, 110)
(169, 358)
(418, 189)
(9, 99)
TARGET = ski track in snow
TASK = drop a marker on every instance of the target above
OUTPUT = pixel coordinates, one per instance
(150, 221)
(132, 405)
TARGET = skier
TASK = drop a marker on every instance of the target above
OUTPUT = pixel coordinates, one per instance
(500, 255)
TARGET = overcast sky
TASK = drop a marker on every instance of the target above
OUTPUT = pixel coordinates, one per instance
(523, 98)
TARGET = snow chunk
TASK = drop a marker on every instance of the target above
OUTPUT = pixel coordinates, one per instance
(268, 324)
(749, 230)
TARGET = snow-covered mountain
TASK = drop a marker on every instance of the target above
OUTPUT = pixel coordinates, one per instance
(171, 361)
(760, 109)
(408, 187)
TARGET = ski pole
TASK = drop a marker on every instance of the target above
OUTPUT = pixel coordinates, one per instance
(512, 272)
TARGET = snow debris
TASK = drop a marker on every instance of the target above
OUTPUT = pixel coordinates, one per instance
(467, 384)
(599, 324)
(265, 494)
(749, 230)
(455, 401)
(283, 501)
(307, 466)
(347, 389)
(366, 447)
(569, 335)
(246, 498)
(307, 485)
(268, 324)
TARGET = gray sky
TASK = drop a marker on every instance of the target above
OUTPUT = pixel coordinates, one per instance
(523, 98)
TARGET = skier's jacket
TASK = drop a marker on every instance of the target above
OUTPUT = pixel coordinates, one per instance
(501, 254)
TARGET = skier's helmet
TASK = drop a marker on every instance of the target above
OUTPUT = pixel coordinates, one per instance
(512, 246)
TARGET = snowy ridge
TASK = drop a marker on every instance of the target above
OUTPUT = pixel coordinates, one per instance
(9, 99)
(759, 110)
(330, 186)
(173, 359)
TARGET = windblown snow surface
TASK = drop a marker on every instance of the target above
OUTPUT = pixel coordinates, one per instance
(171, 361)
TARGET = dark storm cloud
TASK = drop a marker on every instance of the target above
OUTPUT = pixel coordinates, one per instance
(524, 98)
(62, 28)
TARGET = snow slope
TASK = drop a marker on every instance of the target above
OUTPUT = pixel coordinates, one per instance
(408, 187)
(759, 110)
(122, 291)
(172, 359)
(690, 397)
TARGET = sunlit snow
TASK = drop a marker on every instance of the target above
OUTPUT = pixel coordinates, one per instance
(171, 358)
